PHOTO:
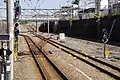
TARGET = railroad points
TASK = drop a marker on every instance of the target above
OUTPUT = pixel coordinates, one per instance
(70, 62)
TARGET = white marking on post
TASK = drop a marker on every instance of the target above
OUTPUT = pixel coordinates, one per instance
(2, 76)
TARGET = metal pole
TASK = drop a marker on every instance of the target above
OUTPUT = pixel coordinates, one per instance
(48, 25)
(36, 23)
(10, 7)
(104, 45)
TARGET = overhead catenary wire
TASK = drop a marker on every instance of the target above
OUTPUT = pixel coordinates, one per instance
(37, 3)
(33, 7)
(30, 6)
(41, 3)
(36, 12)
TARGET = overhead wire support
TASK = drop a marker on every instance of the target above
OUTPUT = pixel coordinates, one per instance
(31, 7)
(40, 3)
(40, 9)
(34, 7)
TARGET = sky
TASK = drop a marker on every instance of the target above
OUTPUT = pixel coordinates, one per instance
(49, 3)
(43, 4)
(56, 3)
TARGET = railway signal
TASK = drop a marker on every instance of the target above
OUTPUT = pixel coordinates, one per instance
(1, 52)
(105, 34)
(104, 40)
(16, 31)
(17, 9)
(17, 12)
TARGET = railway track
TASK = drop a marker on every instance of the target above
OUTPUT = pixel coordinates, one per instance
(103, 67)
(47, 68)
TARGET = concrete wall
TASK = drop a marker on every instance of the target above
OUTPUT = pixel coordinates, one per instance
(91, 28)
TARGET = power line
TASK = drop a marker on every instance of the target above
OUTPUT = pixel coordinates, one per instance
(29, 5)
(32, 7)
(37, 11)
(35, 7)
(32, 3)
(37, 3)
(41, 3)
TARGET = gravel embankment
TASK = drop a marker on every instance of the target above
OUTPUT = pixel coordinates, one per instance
(92, 48)
(74, 68)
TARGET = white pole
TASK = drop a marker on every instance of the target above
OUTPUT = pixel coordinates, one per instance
(10, 5)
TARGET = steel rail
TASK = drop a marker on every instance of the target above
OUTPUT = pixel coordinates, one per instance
(92, 58)
(35, 59)
(51, 63)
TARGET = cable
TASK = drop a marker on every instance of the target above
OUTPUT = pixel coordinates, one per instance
(28, 4)
(34, 7)
(32, 4)
(37, 3)
(37, 12)
(41, 3)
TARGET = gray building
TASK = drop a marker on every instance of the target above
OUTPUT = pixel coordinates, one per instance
(111, 2)
(116, 8)
(114, 5)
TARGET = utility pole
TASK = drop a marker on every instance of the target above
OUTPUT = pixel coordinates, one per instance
(10, 27)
